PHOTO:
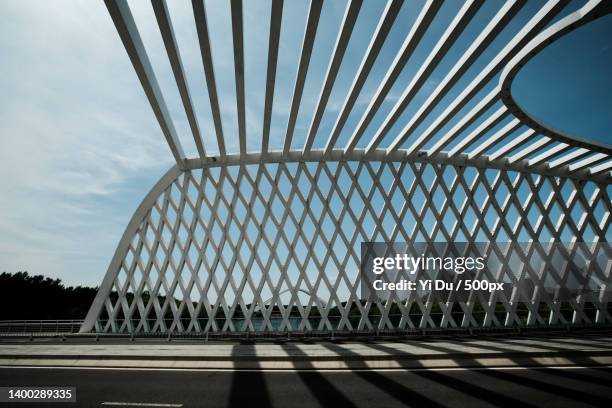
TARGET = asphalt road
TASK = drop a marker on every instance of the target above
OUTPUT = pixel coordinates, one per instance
(568, 387)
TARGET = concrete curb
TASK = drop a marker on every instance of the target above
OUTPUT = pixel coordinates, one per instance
(463, 360)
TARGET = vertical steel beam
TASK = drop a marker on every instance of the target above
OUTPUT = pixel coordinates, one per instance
(126, 27)
(174, 56)
(378, 39)
(314, 13)
(237, 36)
(199, 14)
(344, 35)
(276, 16)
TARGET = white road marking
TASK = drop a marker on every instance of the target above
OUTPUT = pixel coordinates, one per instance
(339, 370)
(139, 404)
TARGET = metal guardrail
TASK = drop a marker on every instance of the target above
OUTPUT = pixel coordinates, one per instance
(70, 328)
(39, 326)
(67, 329)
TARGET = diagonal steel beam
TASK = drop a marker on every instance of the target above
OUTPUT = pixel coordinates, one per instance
(549, 153)
(501, 20)
(466, 120)
(569, 158)
(591, 10)
(491, 121)
(165, 27)
(199, 13)
(493, 140)
(422, 23)
(605, 167)
(276, 16)
(536, 146)
(237, 36)
(512, 145)
(380, 35)
(309, 37)
(346, 29)
(454, 30)
(126, 27)
(589, 162)
(484, 39)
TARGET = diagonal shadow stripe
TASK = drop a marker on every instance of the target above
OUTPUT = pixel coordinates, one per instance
(398, 391)
(323, 390)
(575, 395)
(248, 387)
(483, 393)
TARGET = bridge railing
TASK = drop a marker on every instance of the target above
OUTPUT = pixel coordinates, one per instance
(39, 326)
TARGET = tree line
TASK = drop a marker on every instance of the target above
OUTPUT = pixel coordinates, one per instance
(33, 297)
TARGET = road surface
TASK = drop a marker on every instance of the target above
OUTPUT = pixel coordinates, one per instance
(517, 387)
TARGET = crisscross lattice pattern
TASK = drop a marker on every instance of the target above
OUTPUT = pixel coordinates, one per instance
(264, 232)
(276, 246)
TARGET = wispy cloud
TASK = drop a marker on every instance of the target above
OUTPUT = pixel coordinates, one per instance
(79, 144)
(76, 130)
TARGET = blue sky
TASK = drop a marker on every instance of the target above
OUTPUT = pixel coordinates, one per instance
(573, 82)
(80, 147)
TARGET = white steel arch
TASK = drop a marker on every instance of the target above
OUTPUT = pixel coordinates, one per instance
(220, 237)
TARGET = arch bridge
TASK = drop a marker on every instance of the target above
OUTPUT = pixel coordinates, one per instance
(269, 239)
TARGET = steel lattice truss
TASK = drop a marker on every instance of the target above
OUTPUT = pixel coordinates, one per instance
(276, 246)
(269, 240)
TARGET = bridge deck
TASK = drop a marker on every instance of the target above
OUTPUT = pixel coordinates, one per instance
(426, 353)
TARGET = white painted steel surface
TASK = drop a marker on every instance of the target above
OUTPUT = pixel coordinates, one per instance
(269, 240)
